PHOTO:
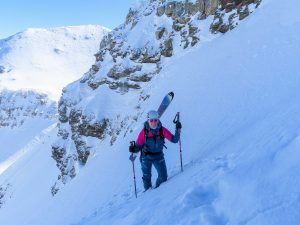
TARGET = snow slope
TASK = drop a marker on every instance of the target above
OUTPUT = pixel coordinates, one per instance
(23, 115)
(97, 106)
(27, 175)
(48, 59)
(239, 100)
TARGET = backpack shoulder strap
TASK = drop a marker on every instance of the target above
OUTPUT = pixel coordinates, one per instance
(146, 131)
(161, 133)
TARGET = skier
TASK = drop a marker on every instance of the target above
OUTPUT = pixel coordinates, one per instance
(151, 143)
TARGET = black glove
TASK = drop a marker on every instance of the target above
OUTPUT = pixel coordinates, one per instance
(178, 125)
(132, 147)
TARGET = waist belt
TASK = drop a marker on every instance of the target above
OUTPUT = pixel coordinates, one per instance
(151, 153)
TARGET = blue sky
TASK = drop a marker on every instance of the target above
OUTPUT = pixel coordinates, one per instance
(17, 15)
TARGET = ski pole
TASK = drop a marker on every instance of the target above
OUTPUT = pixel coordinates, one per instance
(177, 119)
(132, 158)
(134, 178)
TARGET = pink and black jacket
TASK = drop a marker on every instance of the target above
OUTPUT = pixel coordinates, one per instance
(151, 141)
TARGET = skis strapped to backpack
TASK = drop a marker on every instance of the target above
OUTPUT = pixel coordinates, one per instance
(165, 103)
(161, 109)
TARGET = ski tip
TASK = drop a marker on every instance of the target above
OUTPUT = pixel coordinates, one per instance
(171, 93)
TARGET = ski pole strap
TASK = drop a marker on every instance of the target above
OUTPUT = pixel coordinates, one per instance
(132, 157)
(176, 118)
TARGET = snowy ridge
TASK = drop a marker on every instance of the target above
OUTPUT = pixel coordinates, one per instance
(46, 60)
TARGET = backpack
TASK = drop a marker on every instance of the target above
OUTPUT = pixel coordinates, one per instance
(161, 134)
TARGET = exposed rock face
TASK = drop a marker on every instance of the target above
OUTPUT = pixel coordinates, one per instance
(2, 69)
(4, 189)
(129, 57)
(18, 106)
(237, 10)
(116, 47)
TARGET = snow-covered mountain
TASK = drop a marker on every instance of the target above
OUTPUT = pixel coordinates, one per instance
(130, 57)
(34, 62)
(46, 60)
(238, 96)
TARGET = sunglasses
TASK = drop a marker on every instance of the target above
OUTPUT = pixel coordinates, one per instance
(152, 120)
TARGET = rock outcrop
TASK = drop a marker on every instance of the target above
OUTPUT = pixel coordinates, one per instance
(18, 106)
(230, 12)
(4, 193)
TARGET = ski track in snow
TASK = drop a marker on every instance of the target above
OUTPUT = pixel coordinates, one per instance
(27, 150)
(197, 197)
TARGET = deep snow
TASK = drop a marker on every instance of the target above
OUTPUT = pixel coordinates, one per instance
(239, 100)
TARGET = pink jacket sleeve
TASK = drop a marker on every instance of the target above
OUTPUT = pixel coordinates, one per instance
(170, 136)
(167, 134)
(141, 139)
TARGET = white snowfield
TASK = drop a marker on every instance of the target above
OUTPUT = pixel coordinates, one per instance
(240, 104)
(46, 60)
(29, 145)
